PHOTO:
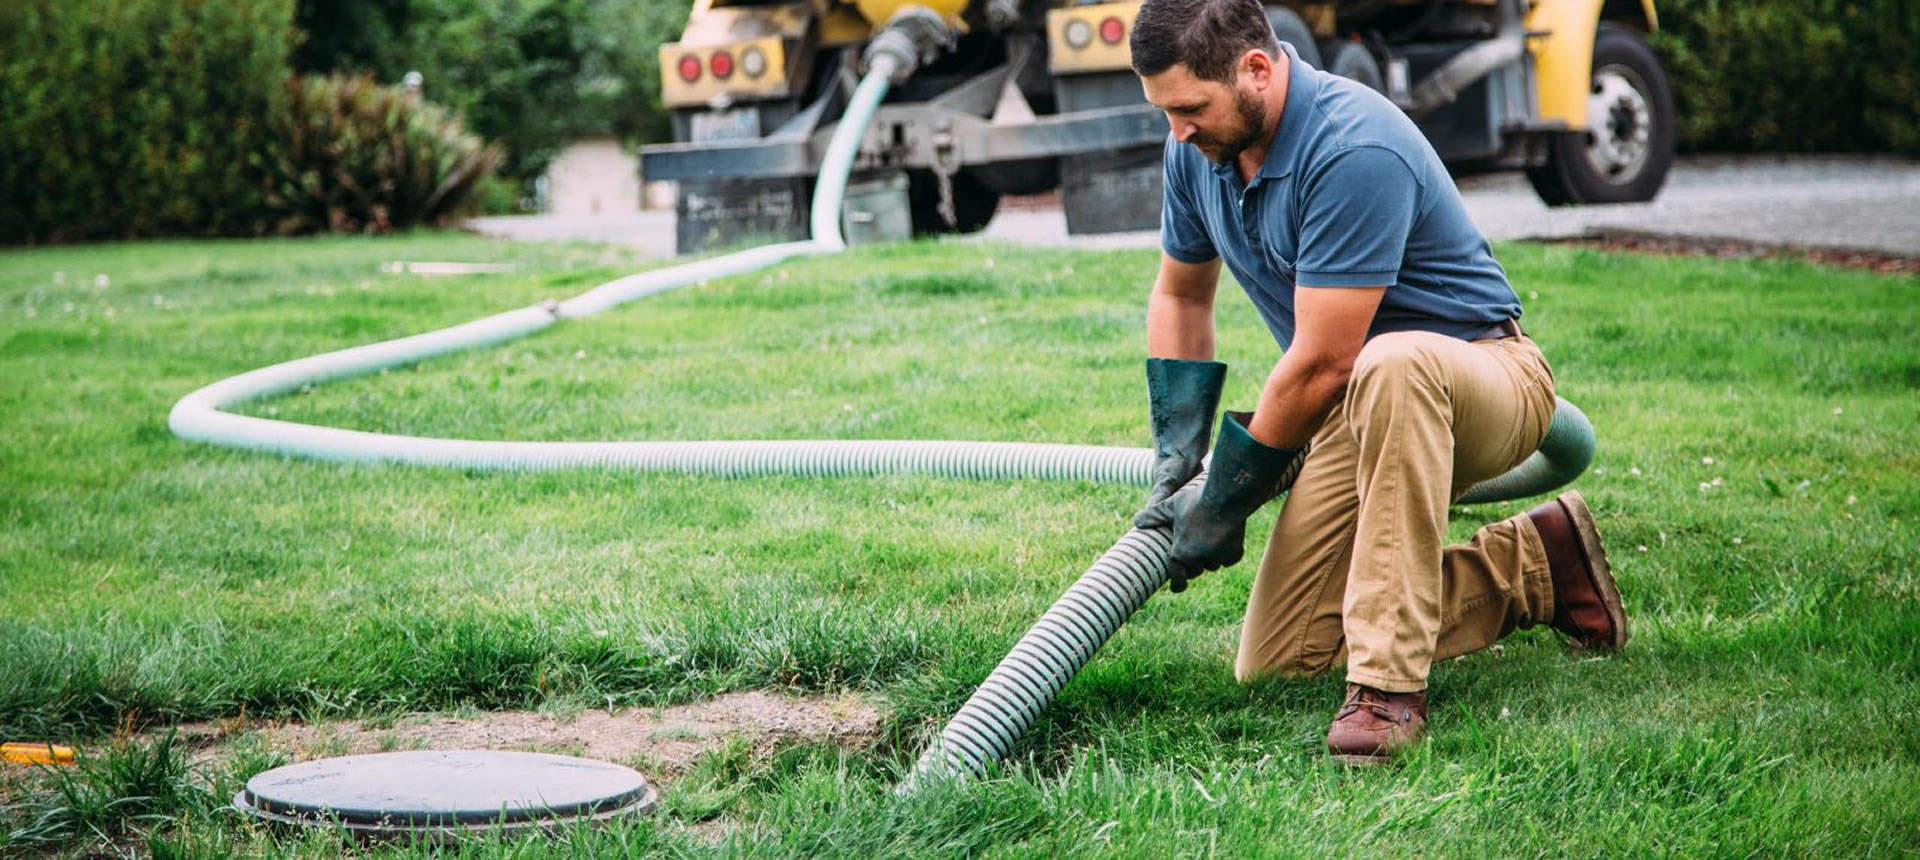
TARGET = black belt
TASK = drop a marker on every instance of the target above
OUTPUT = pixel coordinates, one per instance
(1502, 329)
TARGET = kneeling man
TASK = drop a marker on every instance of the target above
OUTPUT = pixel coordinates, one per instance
(1404, 379)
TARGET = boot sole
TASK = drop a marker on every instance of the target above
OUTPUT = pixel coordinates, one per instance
(1595, 553)
(1362, 760)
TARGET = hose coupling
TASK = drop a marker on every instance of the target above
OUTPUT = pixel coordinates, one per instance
(914, 37)
(1002, 14)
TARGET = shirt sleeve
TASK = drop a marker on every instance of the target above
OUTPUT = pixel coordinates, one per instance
(1356, 215)
(1183, 235)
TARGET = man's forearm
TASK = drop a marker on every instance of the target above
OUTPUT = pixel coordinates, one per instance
(1179, 328)
(1296, 399)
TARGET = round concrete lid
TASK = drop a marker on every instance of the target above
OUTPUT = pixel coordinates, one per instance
(419, 789)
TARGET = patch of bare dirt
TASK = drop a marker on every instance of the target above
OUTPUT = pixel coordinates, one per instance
(660, 742)
(1735, 249)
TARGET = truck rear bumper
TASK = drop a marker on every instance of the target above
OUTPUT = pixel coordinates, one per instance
(917, 135)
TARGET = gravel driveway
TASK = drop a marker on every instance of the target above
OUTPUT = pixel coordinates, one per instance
(1855, 203)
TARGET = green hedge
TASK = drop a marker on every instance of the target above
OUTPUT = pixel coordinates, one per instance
(1794, 75)
(123, 118)
(529, 74)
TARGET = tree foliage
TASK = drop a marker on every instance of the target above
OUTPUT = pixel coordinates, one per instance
(532, 74)
(128, 118)
(1795, 75)
(124, 118)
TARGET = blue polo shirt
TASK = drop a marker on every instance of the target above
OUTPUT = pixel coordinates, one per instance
(1351, 195)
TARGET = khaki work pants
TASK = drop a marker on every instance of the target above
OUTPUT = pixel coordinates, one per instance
(1355, 567)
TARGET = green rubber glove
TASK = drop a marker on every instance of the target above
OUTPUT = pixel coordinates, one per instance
(1210, 523)
(1181, 398)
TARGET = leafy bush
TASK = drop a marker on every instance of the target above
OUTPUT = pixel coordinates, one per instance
(1794, 75)
(357, 156)
(123, 118)
(531, 74)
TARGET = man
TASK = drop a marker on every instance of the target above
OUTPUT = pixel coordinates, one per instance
(1404, 379)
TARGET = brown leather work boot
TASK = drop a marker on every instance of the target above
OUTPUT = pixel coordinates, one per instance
(1373, 726)
(1586, 602)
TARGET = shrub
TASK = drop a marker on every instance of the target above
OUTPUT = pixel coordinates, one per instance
(1794, 75)
(123, 118)
(357, 156)
(531, 74)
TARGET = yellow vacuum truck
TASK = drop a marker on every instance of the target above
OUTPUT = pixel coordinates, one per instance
(1000, 97)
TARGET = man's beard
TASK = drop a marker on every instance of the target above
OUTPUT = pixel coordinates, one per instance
(1252, 117)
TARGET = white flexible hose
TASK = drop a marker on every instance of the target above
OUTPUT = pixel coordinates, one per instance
(199, 416)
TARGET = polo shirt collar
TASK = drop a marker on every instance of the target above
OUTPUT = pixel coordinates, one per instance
(1303, 87)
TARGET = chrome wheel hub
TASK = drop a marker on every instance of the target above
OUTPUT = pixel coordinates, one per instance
(1619, 124)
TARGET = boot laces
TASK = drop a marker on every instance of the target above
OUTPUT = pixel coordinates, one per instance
(1361, 697)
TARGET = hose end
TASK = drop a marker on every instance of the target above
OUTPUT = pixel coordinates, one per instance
(914, 37)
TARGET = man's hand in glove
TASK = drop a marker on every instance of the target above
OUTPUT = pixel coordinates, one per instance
(1210, 523)
(1181, 398)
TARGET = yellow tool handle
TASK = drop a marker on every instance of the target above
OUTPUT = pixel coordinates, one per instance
(23, 753)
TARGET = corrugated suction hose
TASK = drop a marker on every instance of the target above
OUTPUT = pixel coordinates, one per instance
(1109, 592)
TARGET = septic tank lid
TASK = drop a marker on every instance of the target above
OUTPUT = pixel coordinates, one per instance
(415, 790)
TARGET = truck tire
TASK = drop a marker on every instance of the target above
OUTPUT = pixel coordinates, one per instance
(1290, 28)
(1624, 155)
(1353, 61)
(973, 203)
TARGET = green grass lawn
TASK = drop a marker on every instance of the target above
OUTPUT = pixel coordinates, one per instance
(1756, 484)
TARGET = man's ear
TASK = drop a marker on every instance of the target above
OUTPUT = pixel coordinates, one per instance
(1258, 67)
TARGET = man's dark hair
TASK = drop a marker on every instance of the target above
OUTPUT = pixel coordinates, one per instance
(1209, 36)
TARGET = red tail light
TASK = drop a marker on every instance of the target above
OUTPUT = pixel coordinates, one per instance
(689, 68)
(721, 65)
(1112, 31)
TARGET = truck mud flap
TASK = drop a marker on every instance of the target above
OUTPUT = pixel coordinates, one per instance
(721, 213)
(1112, 192)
